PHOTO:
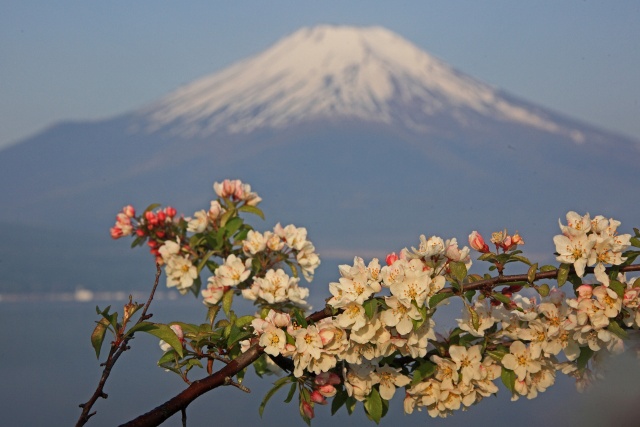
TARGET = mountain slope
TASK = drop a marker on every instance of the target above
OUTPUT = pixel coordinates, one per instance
(354, 133)
(340, 73)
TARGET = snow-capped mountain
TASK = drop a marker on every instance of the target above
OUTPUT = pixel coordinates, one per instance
(354, 133)
(333, 72)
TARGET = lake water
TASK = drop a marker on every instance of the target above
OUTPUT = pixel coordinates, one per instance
(48, 367)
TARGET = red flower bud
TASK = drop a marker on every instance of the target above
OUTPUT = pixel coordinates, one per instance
(391, 258)
(171, 212)
(307, 409)
(116, 232)
(318, 398)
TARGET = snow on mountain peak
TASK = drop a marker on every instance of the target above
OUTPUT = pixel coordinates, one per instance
(337, 72)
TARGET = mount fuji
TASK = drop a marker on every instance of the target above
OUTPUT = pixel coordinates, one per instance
(355, 133)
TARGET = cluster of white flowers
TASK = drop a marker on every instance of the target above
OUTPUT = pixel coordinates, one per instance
(236, 190)
(178, 267)
(275, 286)
(592, 242)
(529, 339)
(462, 379)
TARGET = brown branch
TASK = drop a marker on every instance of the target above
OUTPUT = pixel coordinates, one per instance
(182, 400)
(114, 354)
(160, 414)
(499, 280)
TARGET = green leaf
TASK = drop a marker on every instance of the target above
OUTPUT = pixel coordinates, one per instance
(227, 300)
(491, 257)
(292, 266)
(617, 287)
(204, 260)
(475, 319)
(138, 241)
(583, 359)
(508, 378)
(498, 353)
(232, 226)
(438, 298)
(260, 365)
(370, 307)
(424, 370)
(168, 357)
(236, 335)
(547, 268)
(459, 270)
(212, 312)
(351, 404)
(373, 405)
(563, 273)
(151, 207)
(635, 242)
(500, 297)
(338, 400)
(520, 258)
(299, 318)
(543, 290)
(292, 392)
(469, 295)
(242, 235)
(244, 321)
(615, 329)
(531, 274)
(277, 386)
(252, 209)
(97, 336)
(161, 331)
(231, 211)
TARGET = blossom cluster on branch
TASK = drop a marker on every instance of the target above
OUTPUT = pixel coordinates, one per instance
(376, 337)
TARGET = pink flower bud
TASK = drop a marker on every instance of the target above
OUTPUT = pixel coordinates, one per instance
(516, 239)
(307, 409)
(584, 291)
(140, 232)
(238, 191)
(327, 378)
(129, 211)
(476, 241)
(630, 296)
(161, 216)
(116, 232)
(123, 219)
(327, 390)
(506, 243)
(318, 398)
(178, 331)
(391, 258)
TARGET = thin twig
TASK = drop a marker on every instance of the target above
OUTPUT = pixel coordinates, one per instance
(114, 354)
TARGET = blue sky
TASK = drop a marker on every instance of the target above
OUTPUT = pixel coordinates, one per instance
(77, 60)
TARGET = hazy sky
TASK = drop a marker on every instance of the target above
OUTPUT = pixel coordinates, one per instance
(74, 59)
